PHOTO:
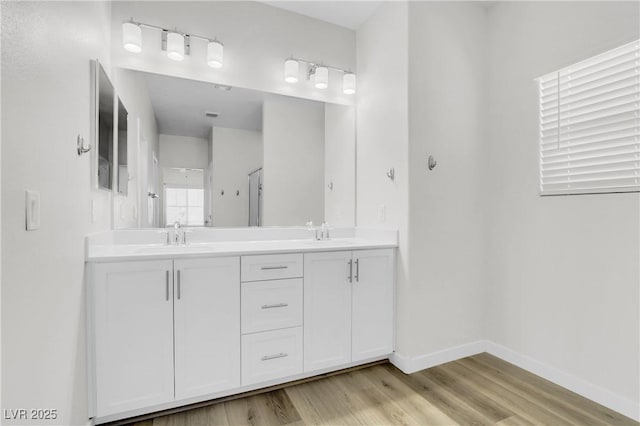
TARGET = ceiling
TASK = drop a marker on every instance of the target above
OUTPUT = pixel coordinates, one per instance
(348, 14)
(180, 104)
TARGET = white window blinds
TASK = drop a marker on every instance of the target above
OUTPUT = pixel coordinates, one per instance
(590, 125)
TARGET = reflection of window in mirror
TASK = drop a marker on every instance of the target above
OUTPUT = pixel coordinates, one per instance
(183, 196)
(184, 205)
(106, 104)
(123, 171)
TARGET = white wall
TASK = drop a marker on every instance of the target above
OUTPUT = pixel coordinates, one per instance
(382, 138)
(293, 174)
(447, 50)
(183, 151)
(564, 271)
(257, 39)
(132, 89)
(339, 165)
(236, 153)
(46, 49)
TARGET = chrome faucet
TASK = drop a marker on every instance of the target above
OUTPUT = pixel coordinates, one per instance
(177, 235)
(321, 232)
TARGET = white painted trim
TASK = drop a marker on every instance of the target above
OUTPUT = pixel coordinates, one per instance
(410, 365)
(575, 384)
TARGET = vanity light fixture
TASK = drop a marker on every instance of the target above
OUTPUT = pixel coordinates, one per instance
(349, 83)
(176, 44)
(215, 50)
(291, 70)
(322, 78)
(318, 74)
(132, 37)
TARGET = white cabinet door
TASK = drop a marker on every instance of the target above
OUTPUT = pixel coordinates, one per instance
(207, 325)
(373, 301)
(133, 318)
(327, 310)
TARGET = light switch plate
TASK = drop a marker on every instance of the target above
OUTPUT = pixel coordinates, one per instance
(32, 210)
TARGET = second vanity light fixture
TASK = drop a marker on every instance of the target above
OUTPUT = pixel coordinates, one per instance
(176, 44)
(319, 74)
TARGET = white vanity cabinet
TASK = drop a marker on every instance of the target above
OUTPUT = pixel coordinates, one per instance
(170, 332)
(165, 330)
(348, 314)
(133, 334)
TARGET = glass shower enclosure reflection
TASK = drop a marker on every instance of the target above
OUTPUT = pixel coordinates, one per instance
(255, 198)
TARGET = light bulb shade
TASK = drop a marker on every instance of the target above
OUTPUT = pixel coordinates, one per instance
(322, 77)
(349, 83)
(291, 70)
(132, 37)
(175, 46)
(215, 51)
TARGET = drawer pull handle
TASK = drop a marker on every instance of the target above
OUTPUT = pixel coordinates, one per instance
(276, 305)
(280, 355)
(178, 284)
(268, 268)
(357, 277)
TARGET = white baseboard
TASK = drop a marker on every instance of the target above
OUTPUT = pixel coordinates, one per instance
(590, 391)
(410, 365)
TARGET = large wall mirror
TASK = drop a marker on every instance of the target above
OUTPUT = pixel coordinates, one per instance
(234, 157)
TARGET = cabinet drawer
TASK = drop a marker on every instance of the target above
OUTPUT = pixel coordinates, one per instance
(271, 305)
(271, 355)
(271, 267)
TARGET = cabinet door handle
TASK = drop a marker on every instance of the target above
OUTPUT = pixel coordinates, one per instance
(280, 355)
(357, 270)
(178, 284)
(268, 268)
(350, 277)
(167, 284)
(276, 305)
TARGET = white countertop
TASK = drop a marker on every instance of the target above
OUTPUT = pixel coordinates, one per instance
(109, 248)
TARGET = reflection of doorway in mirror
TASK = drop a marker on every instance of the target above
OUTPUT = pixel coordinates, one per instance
(152, 206)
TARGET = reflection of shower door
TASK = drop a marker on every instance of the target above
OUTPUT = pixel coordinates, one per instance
(255, 198)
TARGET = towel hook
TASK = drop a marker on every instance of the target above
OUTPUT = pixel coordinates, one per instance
(391, 174)
(431, 162)
(80, 146)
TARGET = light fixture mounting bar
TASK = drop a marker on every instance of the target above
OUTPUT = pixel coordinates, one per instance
(312, 64)
(166, 30)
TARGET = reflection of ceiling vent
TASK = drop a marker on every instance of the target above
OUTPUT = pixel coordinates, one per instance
(211, 114)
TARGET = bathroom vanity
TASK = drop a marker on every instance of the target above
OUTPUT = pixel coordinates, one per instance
(232, 310)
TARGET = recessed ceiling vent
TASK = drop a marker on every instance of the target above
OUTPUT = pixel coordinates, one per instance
(211, 114)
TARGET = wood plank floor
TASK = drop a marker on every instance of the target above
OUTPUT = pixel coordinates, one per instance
(479, 390)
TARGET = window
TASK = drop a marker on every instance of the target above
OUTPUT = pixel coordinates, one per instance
(590, 125)
(185, 205)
